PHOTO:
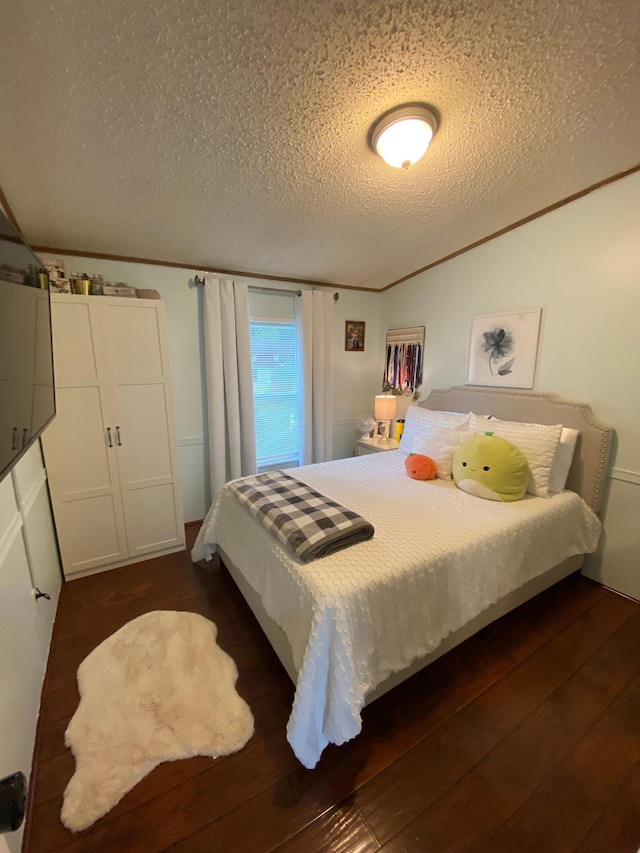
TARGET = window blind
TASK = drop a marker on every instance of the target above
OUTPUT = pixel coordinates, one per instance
(274, 365)
(411, 335)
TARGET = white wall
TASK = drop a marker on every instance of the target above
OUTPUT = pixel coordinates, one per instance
(357, 374)
(581, 264)
(28, 558)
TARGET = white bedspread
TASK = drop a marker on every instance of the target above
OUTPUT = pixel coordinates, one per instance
(439, 557)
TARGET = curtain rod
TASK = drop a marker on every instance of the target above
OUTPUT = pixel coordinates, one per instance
(199, 279)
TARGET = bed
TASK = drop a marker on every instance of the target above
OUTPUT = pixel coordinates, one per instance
(442, 565)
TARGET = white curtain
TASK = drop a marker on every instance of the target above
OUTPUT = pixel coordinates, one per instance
(232, 441)
(314, 322)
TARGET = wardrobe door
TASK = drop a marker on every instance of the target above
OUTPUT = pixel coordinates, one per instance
(145, 437)
(79, 445)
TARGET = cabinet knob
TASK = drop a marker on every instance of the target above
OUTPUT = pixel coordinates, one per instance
(118, 442)
(109, 440)
(14, 438)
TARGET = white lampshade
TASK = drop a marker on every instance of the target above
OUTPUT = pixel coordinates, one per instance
(385, 409)
(402, 136)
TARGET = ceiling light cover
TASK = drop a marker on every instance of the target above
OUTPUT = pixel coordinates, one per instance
(402, 136)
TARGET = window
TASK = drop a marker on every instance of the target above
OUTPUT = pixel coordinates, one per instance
(274, 365)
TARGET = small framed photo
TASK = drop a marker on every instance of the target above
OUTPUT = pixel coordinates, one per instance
(354, 336)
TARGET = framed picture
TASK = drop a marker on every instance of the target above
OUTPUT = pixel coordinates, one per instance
(354, 335)
(503, 349)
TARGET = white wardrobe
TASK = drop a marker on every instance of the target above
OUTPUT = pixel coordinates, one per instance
(111, 451)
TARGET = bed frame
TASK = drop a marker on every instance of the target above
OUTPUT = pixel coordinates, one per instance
(586, 477)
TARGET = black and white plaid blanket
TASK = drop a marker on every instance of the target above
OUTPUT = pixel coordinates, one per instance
(308, 523)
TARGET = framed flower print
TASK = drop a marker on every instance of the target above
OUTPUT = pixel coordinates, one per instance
(503, 349)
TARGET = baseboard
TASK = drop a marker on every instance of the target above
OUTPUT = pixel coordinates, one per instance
(96, 570)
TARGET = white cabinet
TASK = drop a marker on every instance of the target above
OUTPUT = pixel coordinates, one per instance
(111, 451)
(28, 559)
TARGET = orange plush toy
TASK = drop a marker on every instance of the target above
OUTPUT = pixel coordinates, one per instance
(420, 467)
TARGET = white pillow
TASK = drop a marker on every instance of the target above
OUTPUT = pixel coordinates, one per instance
(441, 453)
(448, 435)
(563, 459)
(538, 442)
(418, 421)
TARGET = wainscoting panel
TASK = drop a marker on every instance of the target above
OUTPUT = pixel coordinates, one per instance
(616, 564)
(194, 474)
(344, 437)
(625, 476)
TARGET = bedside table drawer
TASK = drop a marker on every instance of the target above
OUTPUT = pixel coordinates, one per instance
(364, 446)
(365, 451)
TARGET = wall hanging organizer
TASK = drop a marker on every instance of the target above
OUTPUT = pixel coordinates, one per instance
(403, 360)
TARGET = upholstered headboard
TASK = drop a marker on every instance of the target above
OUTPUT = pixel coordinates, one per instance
(589, 467)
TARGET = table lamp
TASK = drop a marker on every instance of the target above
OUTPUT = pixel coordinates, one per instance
(385, 412)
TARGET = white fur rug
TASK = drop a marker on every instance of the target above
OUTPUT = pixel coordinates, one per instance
(158, 689)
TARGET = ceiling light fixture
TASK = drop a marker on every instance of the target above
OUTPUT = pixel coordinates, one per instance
(402, 135)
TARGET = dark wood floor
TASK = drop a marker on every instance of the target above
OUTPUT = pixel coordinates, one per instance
(526, 738)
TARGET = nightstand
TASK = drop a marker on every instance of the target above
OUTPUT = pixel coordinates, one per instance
(365, 446)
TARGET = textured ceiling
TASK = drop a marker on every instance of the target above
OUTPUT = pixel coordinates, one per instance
(233, 135)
